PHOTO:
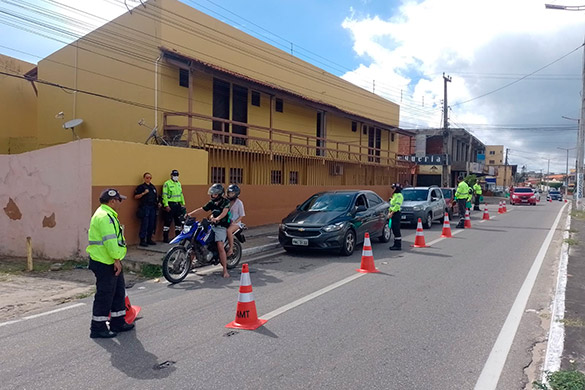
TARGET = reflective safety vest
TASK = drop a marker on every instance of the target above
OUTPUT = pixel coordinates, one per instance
(106, 238)
(477, 189)
(462, 191)
(396, 202)
(172, 192)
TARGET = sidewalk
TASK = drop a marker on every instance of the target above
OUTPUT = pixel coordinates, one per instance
(259, 239)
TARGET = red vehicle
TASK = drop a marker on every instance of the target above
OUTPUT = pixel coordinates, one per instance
(449, 195)
(523, 195)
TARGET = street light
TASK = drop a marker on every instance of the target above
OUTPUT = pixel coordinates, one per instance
(567, 175)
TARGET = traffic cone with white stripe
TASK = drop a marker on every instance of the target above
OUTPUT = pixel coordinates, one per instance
(505, 210)
(446, 233)
(246, 316)
(367, 265)
(500, 208)
(486, 214)
(467, 223)
(419, 239)
(131, 311)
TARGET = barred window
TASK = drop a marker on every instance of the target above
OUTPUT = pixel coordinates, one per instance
(275, 177)
(293, 177)
(218, 175)
(236, 175)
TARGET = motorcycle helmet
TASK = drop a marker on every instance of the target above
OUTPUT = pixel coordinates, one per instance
(215, 189)
(235, 189)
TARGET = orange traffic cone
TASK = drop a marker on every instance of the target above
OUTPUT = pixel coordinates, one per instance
(419, 240)
(467, 224)
(131, 311)
(367, 265)
(505, 210)
(500, 208)
(246, 316)
(446, 227)
(486, 214)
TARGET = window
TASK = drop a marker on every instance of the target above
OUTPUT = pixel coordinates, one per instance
(275, 177)
(236, 175)
(256, 98)
(184, 78)
(364, 129)
(354, 126)
(374, 144)
(492, 152)
(293, 177)
(218, 175)
(279, 105)
(391, 137)
(491, 162)
(373, 199)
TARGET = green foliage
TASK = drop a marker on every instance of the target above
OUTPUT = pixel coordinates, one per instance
(151, 271)
(554, 185)
(470, 180)
(562, 380)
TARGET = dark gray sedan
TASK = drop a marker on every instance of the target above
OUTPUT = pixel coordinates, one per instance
(335, 220)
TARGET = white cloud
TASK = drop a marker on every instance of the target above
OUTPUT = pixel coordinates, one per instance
(483, 46)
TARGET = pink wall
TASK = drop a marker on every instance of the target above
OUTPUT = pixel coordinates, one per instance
(45, 195)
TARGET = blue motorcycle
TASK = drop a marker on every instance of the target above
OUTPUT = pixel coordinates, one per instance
(196, 247)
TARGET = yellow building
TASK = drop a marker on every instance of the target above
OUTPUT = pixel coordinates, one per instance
(495, 157)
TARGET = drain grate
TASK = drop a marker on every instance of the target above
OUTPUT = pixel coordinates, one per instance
(163, 365)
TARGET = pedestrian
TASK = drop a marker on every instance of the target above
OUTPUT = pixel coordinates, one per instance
(462, 195)
(220, 220)
(478, 192)
(173, 202)
(146, 194)
(236, 214)
(394, 214)
(107, 248)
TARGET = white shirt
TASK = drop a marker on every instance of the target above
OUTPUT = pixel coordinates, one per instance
(237, 211)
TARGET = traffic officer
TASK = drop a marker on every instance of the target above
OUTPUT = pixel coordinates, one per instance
(107, 248)
(173, 203)
(477, 190)
(462, 195)
(395, 215)
(146, 194)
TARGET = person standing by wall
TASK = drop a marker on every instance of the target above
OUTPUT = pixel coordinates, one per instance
(478, 192)
(395, 215)
(146, 194)
(107, 248)
(462, 195)
(173, 202)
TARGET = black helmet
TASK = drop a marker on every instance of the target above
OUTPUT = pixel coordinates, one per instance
(216, 189)
(235, 189)
(397, 187)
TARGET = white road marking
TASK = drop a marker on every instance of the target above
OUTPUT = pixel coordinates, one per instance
(41, 314)
(490, 375)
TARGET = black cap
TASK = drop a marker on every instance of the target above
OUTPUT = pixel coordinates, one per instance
(109, 194)
(174, 172)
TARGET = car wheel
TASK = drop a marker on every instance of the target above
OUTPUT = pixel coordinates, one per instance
(348, 244)
(428, 221)
(386, 233)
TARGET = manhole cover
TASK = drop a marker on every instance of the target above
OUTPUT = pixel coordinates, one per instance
(163, 365)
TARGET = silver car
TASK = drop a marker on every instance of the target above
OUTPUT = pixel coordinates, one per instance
(426, 203)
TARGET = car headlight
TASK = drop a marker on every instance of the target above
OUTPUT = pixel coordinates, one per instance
(282, 227)
(333, 228)
(417, 208)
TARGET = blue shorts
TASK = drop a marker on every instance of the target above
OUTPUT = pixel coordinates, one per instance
(220, 233)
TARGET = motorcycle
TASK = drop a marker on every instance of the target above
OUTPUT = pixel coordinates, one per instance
(196, 247)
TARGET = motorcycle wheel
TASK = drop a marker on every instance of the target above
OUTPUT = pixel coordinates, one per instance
(234, 259)
(176, 264)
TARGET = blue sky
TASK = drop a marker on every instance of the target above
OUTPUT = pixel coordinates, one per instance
(400, 49)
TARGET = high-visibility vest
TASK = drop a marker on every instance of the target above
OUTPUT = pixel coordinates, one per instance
(106, 238)
(462, 191)
(477, 189)
(172, 192)
(396, 202)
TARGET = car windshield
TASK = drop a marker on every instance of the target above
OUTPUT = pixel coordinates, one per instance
(523, 190)
(447, 193)
(554, 192)
(415, 195)
(327, 202)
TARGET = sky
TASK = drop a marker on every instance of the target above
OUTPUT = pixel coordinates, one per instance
(515, 67)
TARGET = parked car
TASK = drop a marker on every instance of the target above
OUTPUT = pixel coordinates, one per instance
(336, 220)
(450, 201)
(522, 195)
(426, 203)
(554, 195)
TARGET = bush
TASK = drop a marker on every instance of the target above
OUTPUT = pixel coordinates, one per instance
(562, 380)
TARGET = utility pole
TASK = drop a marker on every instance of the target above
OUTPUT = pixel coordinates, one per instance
(567, 170)
(445, 173)
(506, 169)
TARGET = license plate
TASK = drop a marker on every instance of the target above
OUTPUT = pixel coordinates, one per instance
(300, 241)
(403, 217)
(524, 200)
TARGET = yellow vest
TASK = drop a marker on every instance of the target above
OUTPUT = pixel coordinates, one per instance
(172, 192)
(106, 238)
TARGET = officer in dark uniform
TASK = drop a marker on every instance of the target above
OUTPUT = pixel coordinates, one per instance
(146, 194)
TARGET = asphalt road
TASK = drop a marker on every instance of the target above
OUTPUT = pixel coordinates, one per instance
(428, 320)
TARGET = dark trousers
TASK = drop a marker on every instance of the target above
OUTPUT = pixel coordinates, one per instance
(477, 202)
(396, 217)
(461, 204)
(109, 297)
(174, 214)
(148, 222)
